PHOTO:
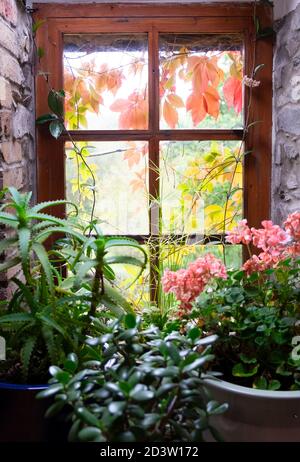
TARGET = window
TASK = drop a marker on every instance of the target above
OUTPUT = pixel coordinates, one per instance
(154, 98)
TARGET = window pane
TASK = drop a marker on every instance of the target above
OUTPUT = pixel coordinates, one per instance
(136, 292)
(105, 80)
(201, 81)
(201, 186)
(120, 170)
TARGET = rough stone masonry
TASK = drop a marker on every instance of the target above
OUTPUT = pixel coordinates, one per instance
(286, 164)
(17, 115)
(17, 166)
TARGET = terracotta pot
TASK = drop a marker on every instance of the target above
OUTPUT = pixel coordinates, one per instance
(256, 415)
(22, 415)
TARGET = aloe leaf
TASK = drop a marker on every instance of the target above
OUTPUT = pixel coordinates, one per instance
(16, 317)
(26, 353)
(9, 219)
(24, 244)
(47, 267)
(83, 269)
(43, 205)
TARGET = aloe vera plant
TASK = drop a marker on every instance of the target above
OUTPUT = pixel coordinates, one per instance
(61, 292)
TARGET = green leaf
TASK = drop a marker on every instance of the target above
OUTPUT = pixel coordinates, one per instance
(194, 333)
(124, 260)
(117, 407)
(37, 24)
(247, 360)
(16, 317)
(46, 118)
(51, 323)
(130, 321)
(142, 395)
(86, 416)
(43, 205)
(240, 370)
(26, 353)
(56, 102)
(50, 391)
(54, 409)
(46, 265)
(170, 371)
(149, 420)
(197, 363)
(258, 68)
(274, 385)
(215, 408)
(166, 387)
(71, 363)
(261, 383)
(56, 128)
(40, 52)
(90, 434)
(24, 243)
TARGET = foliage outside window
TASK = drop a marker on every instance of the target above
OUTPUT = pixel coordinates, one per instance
(158, 111)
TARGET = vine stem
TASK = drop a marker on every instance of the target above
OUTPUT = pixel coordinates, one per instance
(245, 131)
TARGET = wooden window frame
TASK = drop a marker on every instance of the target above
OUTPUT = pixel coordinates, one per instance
(152, 19)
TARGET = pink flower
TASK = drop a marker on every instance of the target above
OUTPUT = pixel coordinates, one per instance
(292, 225)
(254, 264)
(241, 234)
(188, 283)
(270, 236)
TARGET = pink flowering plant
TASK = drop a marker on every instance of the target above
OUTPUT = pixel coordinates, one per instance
(255, 311)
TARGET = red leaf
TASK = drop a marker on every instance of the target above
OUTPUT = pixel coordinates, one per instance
(233, 93)
(196, 104)
(170, 114)
(212, 100)
(175, 100)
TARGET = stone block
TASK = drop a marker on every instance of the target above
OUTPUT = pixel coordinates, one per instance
(11, 152)
(23, 122)
(289, 119)
(5, 94)
(9, 11)
(10, 68)
(9, 39)
(5, 124)
(13, 177)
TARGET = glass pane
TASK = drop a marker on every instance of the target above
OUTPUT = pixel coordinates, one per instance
(201, 81)
(120, 171)
(135, 290)
(106, 81)
(175, 257)
(200, 186)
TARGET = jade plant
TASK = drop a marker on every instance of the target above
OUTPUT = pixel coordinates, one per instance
(134, 384)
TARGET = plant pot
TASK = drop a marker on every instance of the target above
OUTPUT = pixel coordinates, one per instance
(22, 415)
(256, 415)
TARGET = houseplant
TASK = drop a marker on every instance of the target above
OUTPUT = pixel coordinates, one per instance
(134, 384)
(59, 293)
(255, 314)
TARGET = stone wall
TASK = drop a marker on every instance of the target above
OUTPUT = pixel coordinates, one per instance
(286, 165)
(17, 159)
(17, 165)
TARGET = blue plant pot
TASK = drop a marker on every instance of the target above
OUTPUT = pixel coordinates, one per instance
(22, 415)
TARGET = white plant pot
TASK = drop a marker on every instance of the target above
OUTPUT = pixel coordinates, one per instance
(256, 415)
